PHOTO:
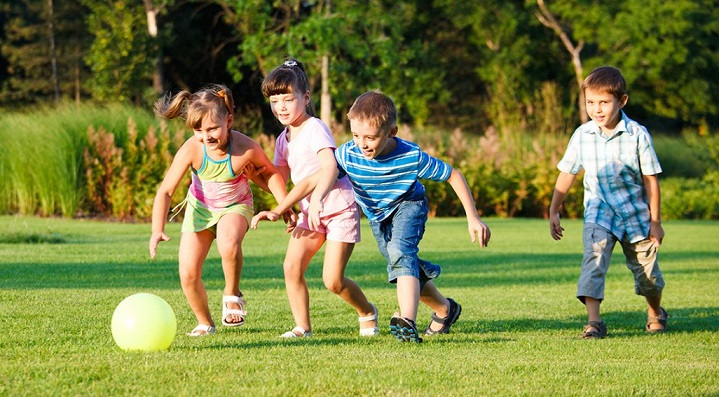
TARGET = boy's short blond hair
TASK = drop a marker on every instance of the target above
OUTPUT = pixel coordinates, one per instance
(376, 109)
(608, 79)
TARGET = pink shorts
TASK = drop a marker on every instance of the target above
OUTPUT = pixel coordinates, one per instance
(343, 226)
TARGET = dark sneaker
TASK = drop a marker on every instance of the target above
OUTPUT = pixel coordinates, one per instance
(404, 329)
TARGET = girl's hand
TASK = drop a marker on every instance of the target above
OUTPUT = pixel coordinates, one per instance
(268, 215)
(155, 239)
(251, 171)
(313, 213)
(290, 219)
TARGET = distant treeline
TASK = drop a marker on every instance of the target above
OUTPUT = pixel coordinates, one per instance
(474, 65)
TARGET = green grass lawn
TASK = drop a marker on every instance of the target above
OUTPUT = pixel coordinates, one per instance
(60, 281)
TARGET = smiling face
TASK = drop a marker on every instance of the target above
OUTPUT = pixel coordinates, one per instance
(213, 131)
(371, 140)
(604, 108)
(290, 109)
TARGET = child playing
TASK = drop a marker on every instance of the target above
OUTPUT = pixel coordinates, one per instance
(621, 199)
(385, 171)
(305, 146)
(219, 201)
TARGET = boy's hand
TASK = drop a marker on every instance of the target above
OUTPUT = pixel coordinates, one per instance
(155, 239)
(656, 233)
(479, 230)
(555, 227)
(268, 215)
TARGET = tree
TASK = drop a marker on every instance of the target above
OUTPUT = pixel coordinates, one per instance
(547, 19)
(669, 54)
(120, 55)
(153, 9)
(43, 50)
(365, 43)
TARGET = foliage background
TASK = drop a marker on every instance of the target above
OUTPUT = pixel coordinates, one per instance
(482, 84)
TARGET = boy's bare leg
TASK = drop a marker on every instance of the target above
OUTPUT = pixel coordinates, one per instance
(592, 308)
(408, 296)
(655, 310)
(431, 297)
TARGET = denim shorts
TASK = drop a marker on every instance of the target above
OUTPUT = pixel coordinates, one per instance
(641, 259)
(398, 240)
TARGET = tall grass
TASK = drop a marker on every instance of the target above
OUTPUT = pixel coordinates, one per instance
(42, 154)
(108, 161)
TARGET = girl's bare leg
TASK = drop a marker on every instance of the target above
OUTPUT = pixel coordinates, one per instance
(337, 254)
(193, 251)
(303, 245)
(231, 230)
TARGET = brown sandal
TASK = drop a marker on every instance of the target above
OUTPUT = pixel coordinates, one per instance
(594, 330)
(661, 320)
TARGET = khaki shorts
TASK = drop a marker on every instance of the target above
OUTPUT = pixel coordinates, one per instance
(641, 259)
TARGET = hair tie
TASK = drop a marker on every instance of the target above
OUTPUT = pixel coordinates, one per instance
(290, 63)
(221, 94)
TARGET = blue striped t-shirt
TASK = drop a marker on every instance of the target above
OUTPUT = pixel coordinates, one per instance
(382, 183)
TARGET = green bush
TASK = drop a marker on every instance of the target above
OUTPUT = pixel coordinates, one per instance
(109, 161)
(691, 198)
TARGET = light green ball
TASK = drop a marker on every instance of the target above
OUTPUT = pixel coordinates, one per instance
(144, 322)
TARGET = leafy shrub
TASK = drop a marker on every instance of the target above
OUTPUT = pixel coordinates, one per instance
(691, 198)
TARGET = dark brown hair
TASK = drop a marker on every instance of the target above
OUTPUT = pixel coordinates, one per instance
(608, 79)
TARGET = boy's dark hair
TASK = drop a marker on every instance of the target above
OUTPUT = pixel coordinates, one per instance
(608, 79)
(376, 109)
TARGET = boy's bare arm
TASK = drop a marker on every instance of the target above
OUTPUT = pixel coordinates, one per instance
(478, 230)
(561, 188)
(656, 231)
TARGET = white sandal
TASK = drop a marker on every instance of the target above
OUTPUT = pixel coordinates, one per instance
(202, 330)
(297, 332)
(369, 331)
(226, 311)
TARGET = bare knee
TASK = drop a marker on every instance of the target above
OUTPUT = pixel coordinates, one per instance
(334, 285)
(190, 276)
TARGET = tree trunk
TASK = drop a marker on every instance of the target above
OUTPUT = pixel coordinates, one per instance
(548, 20)
(53, 53)
(326, 99)
(157, 76)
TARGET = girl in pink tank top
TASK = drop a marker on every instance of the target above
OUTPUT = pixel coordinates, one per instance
(219, 202)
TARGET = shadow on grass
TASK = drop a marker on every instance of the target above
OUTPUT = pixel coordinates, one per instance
(259, 273)
(619, 323)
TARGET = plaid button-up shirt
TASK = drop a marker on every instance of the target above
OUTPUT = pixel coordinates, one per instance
(614, 193)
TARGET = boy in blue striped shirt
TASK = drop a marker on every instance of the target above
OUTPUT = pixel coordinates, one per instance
(385, 173)
(621, 199)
